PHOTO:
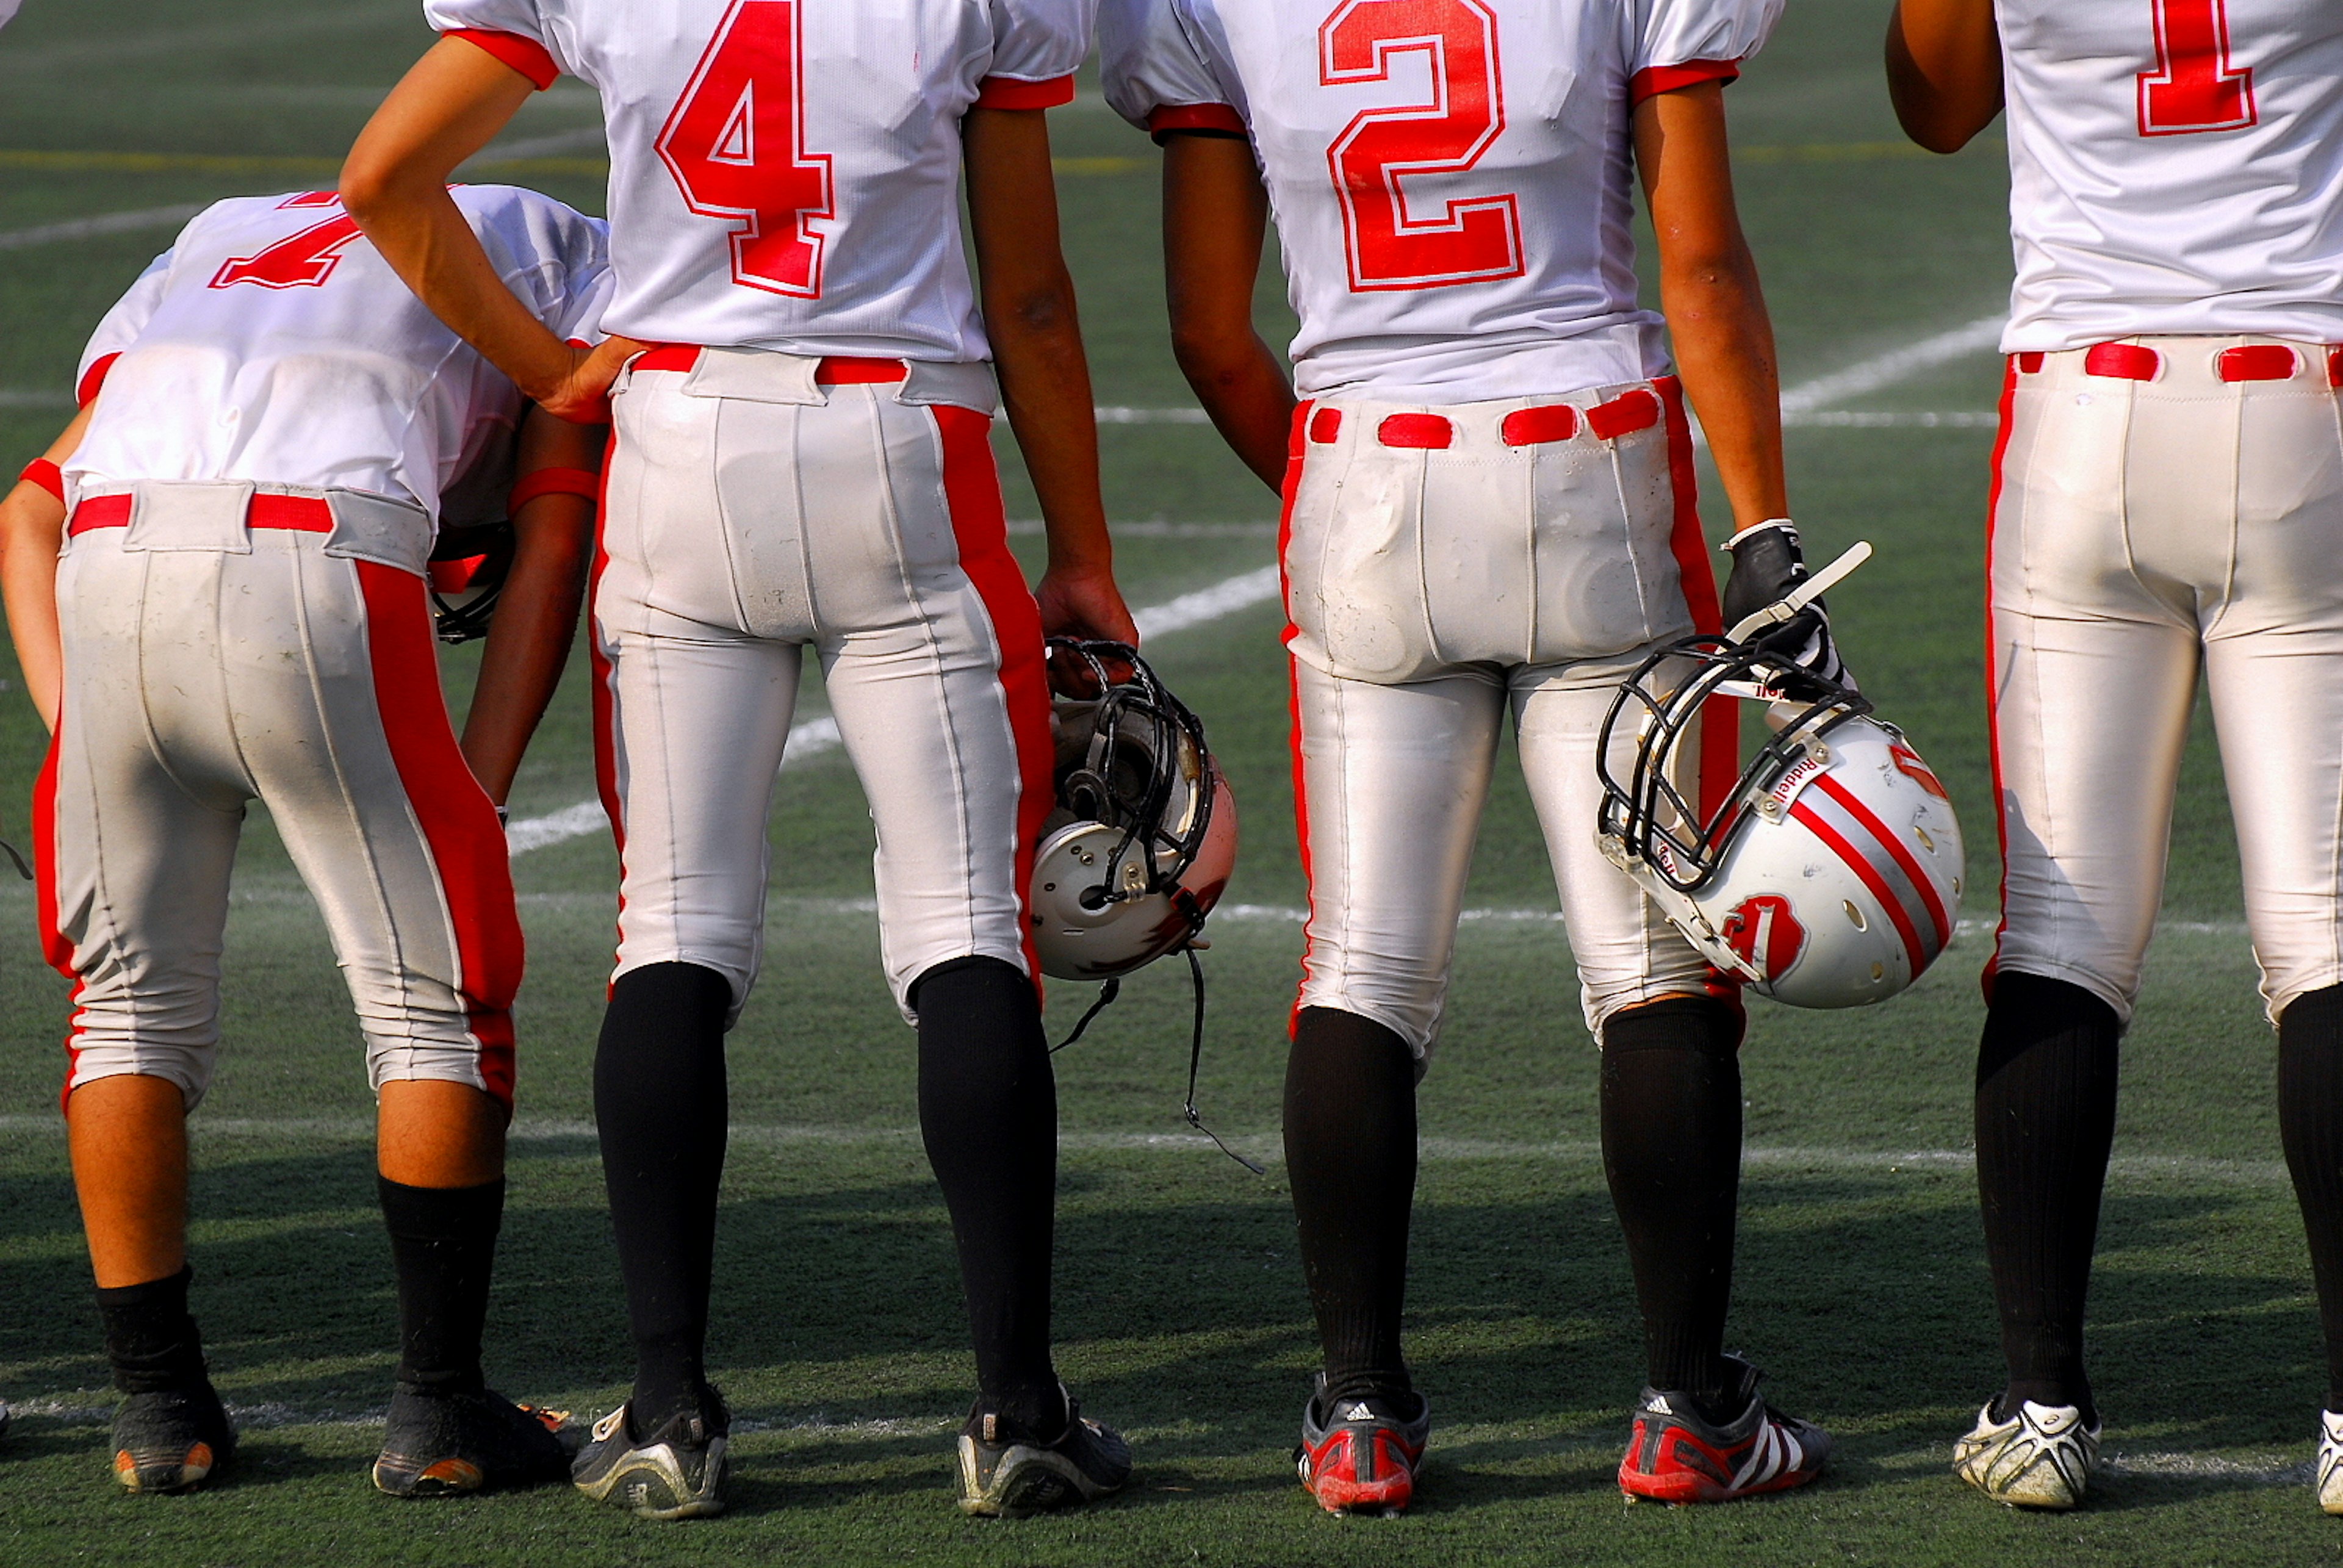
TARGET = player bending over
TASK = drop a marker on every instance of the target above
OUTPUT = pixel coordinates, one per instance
(240, 612)
(1488, 509)
(2167, 491)
(802, 460)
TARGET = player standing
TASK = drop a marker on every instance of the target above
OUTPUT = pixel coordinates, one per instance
(239, 613)
(1488, 506)
(803, 462)
(2167, 489)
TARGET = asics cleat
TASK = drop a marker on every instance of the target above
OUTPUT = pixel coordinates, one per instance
(172, 1441)
(1005, 1476)
(2330, 1462)
(438, 1444)
(1362, 1455)
(2042, 1457)
(676, 1473)
(1675, 1455)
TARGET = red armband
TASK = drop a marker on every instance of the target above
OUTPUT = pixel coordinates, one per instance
(1654, 80)
(48, 475)
(1010, 93)
(1218, 119)
(527, 56)
(554, 482)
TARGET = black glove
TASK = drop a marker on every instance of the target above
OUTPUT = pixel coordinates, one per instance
(1767, 568)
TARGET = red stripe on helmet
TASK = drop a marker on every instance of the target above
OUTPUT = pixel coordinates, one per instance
(1864, 868)
(1904, 857)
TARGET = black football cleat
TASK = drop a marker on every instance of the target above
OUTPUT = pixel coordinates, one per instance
(172, 1441)
(1362, 1455)
(675, 1473)
(1004, 1474)
(1675, 1455)
(442, 1444)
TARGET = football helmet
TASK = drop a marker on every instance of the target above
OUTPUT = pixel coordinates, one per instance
(467, 572)
(1829, 875)
(1145, 832)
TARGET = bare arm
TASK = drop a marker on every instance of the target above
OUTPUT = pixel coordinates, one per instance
(32, 527)
(537, 616)
(1944, 70)
(449, 106)
(1027, 300)
(1215, 214)
(1723, 338)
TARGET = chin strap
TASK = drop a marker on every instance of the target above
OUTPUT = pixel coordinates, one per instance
(1112, 988)
(9, 850)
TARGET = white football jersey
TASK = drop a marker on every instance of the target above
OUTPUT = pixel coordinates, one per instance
(2176, 166)
(786, 175)
(1453, 179)
(273, 343)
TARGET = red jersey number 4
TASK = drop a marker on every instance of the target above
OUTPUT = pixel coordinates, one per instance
(1466, 238)
(736, 146)
(2194, 87)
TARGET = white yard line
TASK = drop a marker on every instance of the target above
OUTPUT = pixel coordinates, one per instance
(104, 223)
(1116, 416)
(1882, 370)
(33, 398)
(1163, 530)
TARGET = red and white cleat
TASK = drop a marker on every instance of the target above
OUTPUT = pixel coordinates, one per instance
(1360, 1455)
(1673, 1455)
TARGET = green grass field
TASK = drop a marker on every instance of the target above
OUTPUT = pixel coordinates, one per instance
(839, 1333)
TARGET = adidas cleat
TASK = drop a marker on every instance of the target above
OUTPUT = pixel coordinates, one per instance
(677, 1472)
(438, 1444)
(1675, 1455)
(2330, 1462)
(1362, 1456)
(172, 1441)
(2042, 1457)
(1006, 1476)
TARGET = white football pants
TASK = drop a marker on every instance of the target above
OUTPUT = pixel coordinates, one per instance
(2140, 527)
(752, 513)
(221, 648)
(1432, 588)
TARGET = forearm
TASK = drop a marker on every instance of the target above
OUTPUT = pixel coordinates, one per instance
(1242, 388)
(1045, 390)
(1723, 344)
(529, 637)
(32, 521)
(1944, 70)
(1215, 217)
(422, 234)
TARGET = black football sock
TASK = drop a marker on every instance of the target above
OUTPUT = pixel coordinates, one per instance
(660, 1101)
(1672, 1150)
(989, 1114)
(2046, 1121)
(443, 1241)
(1350, 1156)
(2310, 1121)
(150, 1337)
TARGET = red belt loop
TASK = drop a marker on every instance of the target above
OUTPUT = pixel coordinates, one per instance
(2123, 362)
(840, 370)
(1422, 432)
(1327, 424)
(1624, 415)
(2257, 362)
(2029, 364)
(1537, 427)
(100, 512)
(666, 357)
(289, 514)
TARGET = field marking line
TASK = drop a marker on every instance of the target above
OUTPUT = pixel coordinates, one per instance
(1882, 370)
(240, 34)
(104, 223)
(1158, 529)
(819, 737)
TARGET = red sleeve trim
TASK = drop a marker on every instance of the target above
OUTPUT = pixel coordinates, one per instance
(48, 475)
(1654, 80)
(1009, 92)
(90, 383)
(527, 56)
(554, 482)
(1171, 117)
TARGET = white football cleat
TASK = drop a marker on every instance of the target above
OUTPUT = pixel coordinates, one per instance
(2041, 1457)
(2330, 1462)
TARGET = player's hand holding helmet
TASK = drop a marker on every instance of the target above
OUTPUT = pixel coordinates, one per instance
(1145, 832)
(1768, 568)
(1829, 875)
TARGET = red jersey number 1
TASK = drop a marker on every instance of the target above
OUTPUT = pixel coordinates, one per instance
(2194, 87)
(1464, 239)
(736, 146)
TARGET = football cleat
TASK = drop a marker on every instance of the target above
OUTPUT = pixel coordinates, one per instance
(1005, 1476)
(2330, 1462)
(1361, 1456)
(2041, 1457)
(436, 1444)
(676, 1473)
(171, 1441)
(1675, 1455)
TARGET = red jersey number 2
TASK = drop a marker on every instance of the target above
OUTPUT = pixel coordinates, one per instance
(1466, 238)
(736, 146)
(2194, 87)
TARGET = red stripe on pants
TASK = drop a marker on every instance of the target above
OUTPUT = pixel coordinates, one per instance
(1993, 679)
(459, 821)
(606, 677)
(54, 944)
(1720, 716)
(1296, 450)
(981, 525)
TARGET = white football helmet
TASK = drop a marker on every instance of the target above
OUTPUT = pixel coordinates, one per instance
(1144, 834)
(1829, 875)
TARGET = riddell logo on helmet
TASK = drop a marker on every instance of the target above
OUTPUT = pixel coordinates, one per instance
(1763, 931)
(1909, 761)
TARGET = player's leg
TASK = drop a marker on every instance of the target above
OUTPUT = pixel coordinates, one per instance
(1390, 781)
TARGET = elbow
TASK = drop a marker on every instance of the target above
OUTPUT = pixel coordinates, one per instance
(1935, 132)
(1037, 314)
(1208, 355)
(370, 187)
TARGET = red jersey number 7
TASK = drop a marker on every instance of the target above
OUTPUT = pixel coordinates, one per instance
(734, 144)
(303, 260)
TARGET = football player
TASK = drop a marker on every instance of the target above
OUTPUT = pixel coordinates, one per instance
(2168, 493)
(272, 428)
(802, 395)
(1488, 511)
